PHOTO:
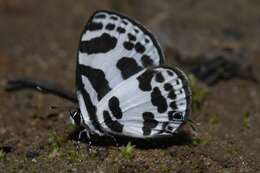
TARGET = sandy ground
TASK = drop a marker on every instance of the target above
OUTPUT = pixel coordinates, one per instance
(39, 39)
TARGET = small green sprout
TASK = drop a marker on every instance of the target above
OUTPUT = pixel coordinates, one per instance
(199, 91)
(198, 141)
(127, 151)
(214, 119)
(2, 155)
(55, 141)
(246, 117)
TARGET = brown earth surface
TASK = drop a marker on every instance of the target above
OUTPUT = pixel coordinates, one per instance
(39, 39)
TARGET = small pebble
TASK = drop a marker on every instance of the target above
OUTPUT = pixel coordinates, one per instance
(31, 154)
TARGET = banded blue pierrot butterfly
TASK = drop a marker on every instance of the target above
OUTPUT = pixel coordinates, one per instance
(122, 86)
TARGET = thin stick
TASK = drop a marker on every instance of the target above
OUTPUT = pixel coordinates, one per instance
(44, 87)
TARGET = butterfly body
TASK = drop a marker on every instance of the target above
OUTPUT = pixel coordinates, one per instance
(122, 86)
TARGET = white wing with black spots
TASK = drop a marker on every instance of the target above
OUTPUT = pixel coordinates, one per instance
(112, 48)
(154, 102)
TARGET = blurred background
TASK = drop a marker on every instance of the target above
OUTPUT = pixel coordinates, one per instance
(39, 40)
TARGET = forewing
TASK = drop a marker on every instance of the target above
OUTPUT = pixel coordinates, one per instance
(154, 102)
(113, 48)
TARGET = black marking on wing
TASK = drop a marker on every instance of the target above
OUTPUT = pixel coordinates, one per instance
(113, 18)
(110, 26)
(114, 106)
(145, 80)
(139, 48)
(149, 123)
(94, 26)
(159, 77)
(128, 66)
(91, 108)
(175, 116)
(100, 16)
(173, 105)
(101, 44)
(120, 30)
(168, 87)
(146, 60)
(158, 100)
(170, 72)
(128, 45)
(113, 125)
(131, 37)
(146, 40)
(172, 95)
(97, 79)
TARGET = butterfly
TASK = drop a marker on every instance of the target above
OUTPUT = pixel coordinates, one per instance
(122, 86)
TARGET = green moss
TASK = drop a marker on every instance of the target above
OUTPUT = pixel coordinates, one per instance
(70, 127)
(214, 119)
(199, 92)
(2, 155)
(72, 156)
(128, 151)
(55, 141)
(246, 118)
(232, 150)
(199, 141)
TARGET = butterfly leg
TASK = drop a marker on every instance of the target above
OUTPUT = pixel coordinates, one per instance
(113, 138)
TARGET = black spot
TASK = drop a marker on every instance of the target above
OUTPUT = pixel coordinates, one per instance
(136, 30)
(97, 79)
(159, 77)
(146, 40)
(115, 107)
(131, 37)
(172, 115)
(149, 123)
(173, 105)
(120, 30)
(168, 87)
(177, 82)
(113, 18)
(145, 80)
(178, 116)
(101, 44)
(172, 95)
(170, 72)
(125, 22)
(110, 26)
(139, 48)
(113, 125)
(170, 128)
(100, 16)
(128, 66)
(158, 100)
(147, 61)
(128, 45)
(94, 26)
